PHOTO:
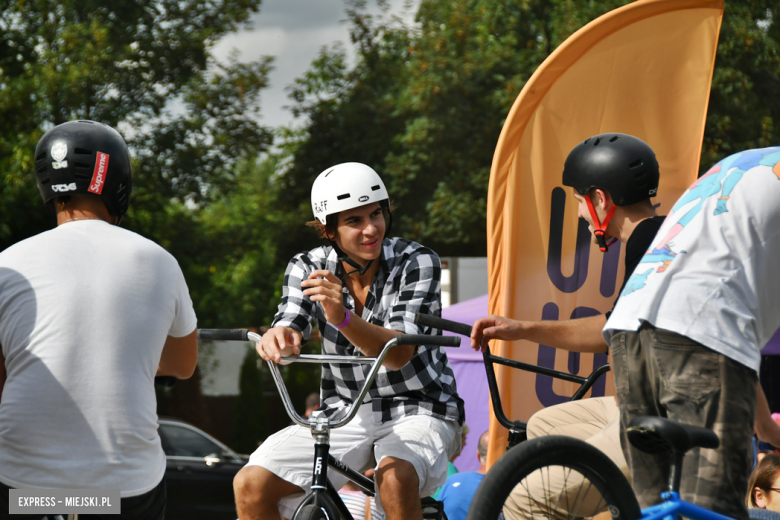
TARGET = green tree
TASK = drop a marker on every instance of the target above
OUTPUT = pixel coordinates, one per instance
(121, 63)
(468, 62)
(425, 106)
(745, 98)
(350, 116)
(233, 267)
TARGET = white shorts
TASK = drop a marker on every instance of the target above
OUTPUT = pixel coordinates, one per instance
(426, 442)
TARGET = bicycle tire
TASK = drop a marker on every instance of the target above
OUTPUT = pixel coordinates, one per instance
(534, 461)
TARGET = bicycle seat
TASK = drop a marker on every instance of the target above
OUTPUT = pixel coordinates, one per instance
(655, 434)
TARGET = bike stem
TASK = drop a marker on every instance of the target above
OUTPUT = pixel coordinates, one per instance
(321, 433)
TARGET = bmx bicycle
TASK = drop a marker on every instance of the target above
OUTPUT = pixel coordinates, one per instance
(586, 482)
(602, 485)
(323, 502)
(517, 429)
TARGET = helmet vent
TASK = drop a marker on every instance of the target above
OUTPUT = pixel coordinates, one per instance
(614, 138)
(344, 196)
(81, 165)
(329, 172)
(45, 180)
(42, 168)
(82, 151)
(40, 156)
(598, 140)
(635, 164)
(374, 188)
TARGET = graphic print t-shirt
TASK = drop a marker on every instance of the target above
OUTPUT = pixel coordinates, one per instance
(711, 272)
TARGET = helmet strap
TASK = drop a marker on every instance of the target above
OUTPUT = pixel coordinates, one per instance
(600, 226)
(342, 256)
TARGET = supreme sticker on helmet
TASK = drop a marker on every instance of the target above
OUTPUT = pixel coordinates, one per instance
(99, 175)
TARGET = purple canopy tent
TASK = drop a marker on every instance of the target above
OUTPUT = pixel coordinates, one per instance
(773, 347)
(471, 379)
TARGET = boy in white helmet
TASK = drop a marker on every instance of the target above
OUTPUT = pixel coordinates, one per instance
(363, 290)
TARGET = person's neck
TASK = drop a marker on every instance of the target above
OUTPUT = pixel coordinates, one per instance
(361, 280)
(625, 221)
(83, 208)
(66, 216)
(482, 469)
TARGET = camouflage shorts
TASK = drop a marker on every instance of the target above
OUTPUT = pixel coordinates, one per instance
(661, 373)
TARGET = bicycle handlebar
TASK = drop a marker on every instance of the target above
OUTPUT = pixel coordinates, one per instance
(401, 339)
(223, 334)
(435, 322)
(376, 363)
(425, 339)
(489, 359)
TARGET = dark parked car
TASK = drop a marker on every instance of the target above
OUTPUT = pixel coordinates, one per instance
(199, 473)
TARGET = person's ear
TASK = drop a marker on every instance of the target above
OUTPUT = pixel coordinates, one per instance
(759, 498)
(603, 199)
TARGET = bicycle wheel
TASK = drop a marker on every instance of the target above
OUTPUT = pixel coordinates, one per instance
(554, 477)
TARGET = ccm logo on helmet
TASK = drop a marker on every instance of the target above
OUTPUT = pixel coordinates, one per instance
(64, 187)
(99, 175)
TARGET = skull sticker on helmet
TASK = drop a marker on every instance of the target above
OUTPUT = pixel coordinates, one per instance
(59, 151)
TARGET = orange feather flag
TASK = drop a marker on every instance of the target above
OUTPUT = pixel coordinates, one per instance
(644, 69)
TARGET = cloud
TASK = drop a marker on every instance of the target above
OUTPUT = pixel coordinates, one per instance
(293, 32)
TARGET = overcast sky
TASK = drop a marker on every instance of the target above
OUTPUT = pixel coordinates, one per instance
(293, 32)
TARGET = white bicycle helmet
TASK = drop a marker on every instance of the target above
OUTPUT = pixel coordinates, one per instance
(345, 186)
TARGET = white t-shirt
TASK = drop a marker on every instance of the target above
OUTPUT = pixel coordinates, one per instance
(713, 271)
(85, 310)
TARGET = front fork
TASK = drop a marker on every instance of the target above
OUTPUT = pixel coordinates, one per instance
(321, 489)
(320, 472)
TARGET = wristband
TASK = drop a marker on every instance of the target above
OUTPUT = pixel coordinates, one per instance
(345, 322)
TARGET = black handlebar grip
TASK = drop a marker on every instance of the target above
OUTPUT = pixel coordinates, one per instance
(223, 334)
(165, 381)
(429, 320)
(425, 339)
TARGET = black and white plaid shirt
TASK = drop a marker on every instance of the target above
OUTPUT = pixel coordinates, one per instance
(408, 282)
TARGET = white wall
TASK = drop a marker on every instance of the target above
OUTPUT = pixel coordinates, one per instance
(463, 278)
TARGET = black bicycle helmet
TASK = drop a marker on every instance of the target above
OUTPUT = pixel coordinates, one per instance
(84, 157)
(621, 164)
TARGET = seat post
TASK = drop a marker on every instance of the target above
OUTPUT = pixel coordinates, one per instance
(675, 475)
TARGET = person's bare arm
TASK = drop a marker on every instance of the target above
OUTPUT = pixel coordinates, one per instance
(370, 339)
(179, 356)
(579, 335)
(765, 427)
(323, 287)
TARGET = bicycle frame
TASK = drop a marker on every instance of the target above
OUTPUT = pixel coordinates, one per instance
(322, 492)
(517, 429)
(673, 506)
